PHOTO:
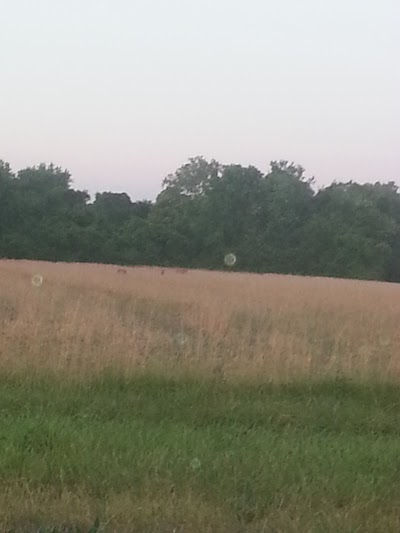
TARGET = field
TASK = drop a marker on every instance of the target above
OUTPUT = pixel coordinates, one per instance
(197, 401)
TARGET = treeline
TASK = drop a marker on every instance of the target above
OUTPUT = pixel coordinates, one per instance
(274, 222)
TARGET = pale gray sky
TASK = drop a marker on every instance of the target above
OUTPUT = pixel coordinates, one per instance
(122, 92)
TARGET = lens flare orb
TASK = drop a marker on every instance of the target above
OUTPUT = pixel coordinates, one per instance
(37, 280)
(230, 260)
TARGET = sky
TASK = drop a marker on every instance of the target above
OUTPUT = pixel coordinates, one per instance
(123, 92)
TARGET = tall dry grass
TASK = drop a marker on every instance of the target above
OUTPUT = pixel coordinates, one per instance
(86, 318)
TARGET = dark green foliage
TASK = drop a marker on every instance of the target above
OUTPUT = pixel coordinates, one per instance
(273, 222)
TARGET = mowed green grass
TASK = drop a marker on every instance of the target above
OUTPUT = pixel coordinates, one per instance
(185, 455)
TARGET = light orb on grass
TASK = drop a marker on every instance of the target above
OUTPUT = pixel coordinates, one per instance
(37, 280)
(230, 260)
(195, 463)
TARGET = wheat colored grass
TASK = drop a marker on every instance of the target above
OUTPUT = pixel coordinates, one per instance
(85, 318)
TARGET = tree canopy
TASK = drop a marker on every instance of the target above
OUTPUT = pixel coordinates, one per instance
(273, 222)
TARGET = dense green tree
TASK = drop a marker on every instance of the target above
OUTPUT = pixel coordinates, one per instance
(349, 234)
(8, 202)
(191, 179)
(113, 209)
(286, 204)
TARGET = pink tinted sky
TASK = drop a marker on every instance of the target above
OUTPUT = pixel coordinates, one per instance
(121, 92)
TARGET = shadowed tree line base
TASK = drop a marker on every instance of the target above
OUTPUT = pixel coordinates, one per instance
(273, 222)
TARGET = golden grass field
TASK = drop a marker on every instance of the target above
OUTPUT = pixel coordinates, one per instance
(138, 440)
(85, 318)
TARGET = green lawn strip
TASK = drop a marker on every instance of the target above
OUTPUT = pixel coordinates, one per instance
(255, 455)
